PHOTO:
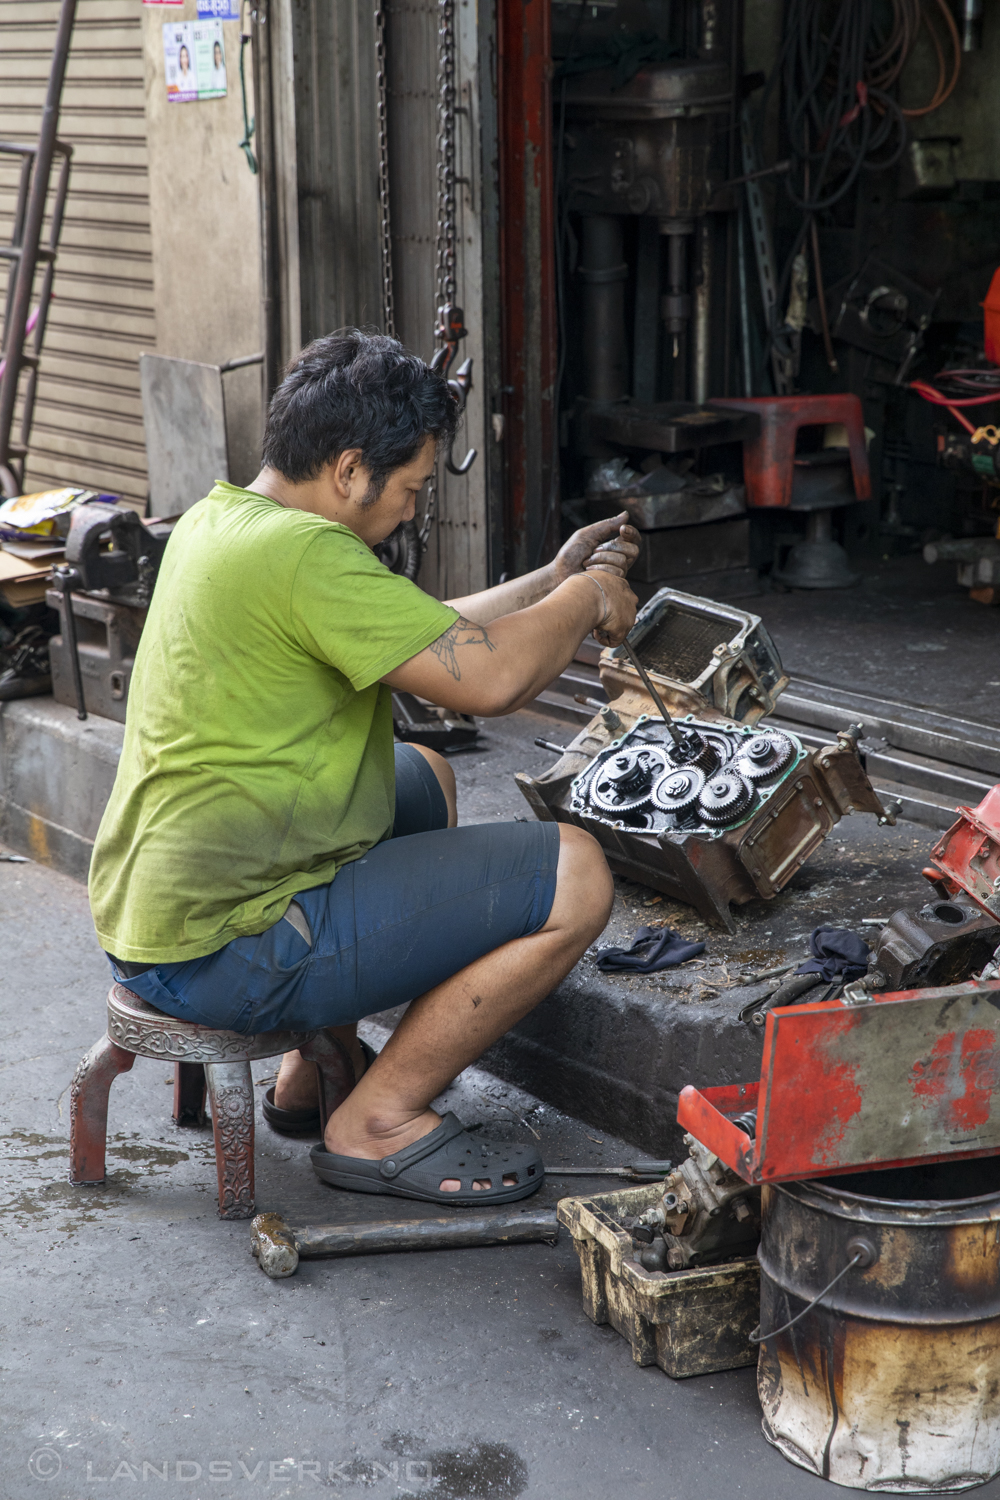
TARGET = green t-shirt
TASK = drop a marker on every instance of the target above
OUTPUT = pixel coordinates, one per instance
(258, 754)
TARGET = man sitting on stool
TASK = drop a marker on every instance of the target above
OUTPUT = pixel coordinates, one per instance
(267, 860)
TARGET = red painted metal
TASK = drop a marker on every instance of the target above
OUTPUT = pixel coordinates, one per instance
(967, 857)
(901, 1079)
(527, 279)
(769, 459)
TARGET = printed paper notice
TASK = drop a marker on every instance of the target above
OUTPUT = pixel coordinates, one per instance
(195, 60)
(224, 10)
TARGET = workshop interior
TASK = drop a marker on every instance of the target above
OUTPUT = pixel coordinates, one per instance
(731, 267)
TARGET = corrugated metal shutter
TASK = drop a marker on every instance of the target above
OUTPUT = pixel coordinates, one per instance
(88, 419)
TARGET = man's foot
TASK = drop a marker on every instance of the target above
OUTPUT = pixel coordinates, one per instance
(297, 1087)
(375, 1145)
(402, 1160)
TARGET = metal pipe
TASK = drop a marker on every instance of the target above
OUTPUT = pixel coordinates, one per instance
(604, 274)
(746, 358)
(675, 305)
(675, 734)
(270, 273)
(68, 579)
(34, 217)
(701, 362)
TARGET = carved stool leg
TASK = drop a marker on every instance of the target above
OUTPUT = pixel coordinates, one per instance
(334, 1070)
(88, 1108)
(189, 1093)
(230, 1090)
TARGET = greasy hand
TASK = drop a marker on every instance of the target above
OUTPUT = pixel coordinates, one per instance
(622, 605)
(613, 544)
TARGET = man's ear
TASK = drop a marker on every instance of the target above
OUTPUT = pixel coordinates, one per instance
(345, 471)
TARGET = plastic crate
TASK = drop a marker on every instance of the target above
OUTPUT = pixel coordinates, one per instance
(689, 1322)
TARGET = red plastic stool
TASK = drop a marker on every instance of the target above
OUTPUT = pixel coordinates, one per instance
(203, 1058)
(816, 484)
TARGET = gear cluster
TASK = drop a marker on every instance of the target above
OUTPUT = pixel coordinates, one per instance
(709, 778)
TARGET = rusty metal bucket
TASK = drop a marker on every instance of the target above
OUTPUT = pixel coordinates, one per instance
(891, 1381)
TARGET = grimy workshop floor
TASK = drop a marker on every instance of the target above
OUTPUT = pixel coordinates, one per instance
(129, 1310)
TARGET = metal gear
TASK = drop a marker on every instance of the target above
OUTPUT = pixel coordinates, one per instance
(699, 751)
(765, 756)
(678, 790)
(623, 782)
(724, 798)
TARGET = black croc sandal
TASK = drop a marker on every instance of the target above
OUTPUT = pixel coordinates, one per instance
(417, 1171)
(301, 1121)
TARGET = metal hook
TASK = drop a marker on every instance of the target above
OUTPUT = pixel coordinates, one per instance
(461, 386)
(450, 328)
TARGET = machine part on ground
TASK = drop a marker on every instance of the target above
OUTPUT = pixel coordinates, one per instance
(689, 1322)
(278, 1246)
(868, 1081)
(967, 857)
(691, 782)
(703, 657)
(24, 253)
(942, 943)
(25, 671)
(707, 1214)
(847, 1394)
(732, 841)
(978, 560)
(717, 670)
(418, 723)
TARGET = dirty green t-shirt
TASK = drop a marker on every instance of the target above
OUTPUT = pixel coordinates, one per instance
(258, 754)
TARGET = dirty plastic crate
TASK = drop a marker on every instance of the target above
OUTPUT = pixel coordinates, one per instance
(689, 1322)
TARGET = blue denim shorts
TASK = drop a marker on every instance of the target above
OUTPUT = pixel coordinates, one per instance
(411, 912)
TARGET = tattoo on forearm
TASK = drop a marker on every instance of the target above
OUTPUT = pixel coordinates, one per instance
(462, 633)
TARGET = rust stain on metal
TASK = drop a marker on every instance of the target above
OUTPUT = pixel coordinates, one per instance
(972, 1264)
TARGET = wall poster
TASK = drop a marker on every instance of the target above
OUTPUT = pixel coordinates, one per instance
(195, 60)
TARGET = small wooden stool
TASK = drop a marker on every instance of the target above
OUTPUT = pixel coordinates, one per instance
(202, 1057)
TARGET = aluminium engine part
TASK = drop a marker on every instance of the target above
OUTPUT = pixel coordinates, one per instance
(708, 659)
(765, 756)
(707, 1212)
(623, 783)
(725, 798)
(678, 790)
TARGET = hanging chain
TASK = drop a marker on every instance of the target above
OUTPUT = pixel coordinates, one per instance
(381, 86)
(446, 230)
(445, 269)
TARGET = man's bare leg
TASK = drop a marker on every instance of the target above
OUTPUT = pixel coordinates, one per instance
(296, 1087)
(446, 1029)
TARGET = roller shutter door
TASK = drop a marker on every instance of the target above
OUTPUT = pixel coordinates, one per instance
(88, 418)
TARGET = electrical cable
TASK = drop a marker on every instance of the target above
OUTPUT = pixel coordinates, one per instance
(836, 69)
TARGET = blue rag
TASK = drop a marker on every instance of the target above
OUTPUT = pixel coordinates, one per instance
(652, 948)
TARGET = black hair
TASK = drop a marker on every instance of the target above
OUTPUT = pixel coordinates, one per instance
(355, 389)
